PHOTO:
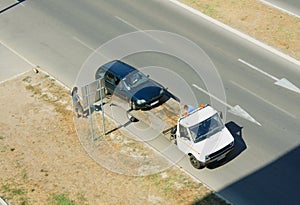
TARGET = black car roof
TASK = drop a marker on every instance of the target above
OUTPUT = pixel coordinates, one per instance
(118, 68)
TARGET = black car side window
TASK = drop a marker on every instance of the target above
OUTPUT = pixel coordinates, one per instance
(117, 80)
(110, 78)
(100, 73)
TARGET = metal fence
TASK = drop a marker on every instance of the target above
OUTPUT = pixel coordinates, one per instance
(92, 93)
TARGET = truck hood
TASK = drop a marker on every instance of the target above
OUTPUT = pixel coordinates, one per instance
(213, 143)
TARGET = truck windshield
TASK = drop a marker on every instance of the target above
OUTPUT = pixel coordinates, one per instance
(206, 128)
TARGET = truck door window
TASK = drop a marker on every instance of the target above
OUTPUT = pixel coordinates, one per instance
(183, 132)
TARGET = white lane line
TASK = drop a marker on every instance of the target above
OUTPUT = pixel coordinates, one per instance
(89, 47)
(83, 43)
(264, 100)
(236, 110)
(138, 29)
(207, 93)
(279, 8)
(17, 54)
(257, 69)
(236, 32)
(129, 24)
(13, 77)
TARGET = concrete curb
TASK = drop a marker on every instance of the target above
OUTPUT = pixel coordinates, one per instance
(2, 202)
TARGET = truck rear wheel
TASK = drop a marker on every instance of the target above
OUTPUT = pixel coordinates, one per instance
(196, 163)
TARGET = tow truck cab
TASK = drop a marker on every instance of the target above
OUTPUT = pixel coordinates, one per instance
(203, 137)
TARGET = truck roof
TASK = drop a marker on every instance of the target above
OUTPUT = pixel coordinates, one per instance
(197, 116)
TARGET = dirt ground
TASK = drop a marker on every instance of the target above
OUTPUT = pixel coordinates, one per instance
(265, 23)
(42, 160)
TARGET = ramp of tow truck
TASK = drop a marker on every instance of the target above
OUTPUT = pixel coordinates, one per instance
(167, 113)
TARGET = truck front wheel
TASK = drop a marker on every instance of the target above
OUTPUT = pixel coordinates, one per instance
(173, 134)
(196, 163)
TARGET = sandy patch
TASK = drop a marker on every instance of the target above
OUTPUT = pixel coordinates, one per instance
(43, 162)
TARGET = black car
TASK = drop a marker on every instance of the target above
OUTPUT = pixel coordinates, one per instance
(131, 85)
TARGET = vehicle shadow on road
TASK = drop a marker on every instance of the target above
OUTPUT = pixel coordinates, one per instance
(239, 145)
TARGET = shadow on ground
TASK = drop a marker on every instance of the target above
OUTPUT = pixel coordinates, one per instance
(276, 183)
(209, 199)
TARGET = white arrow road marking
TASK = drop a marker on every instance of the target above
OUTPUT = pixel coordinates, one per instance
(263, 99)
(236, 110)
(280, 82)
(287, 84)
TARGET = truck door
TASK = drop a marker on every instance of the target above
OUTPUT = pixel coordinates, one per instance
(184, 140)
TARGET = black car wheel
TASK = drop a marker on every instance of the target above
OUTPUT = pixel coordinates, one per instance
(132, 105)
(196, 163)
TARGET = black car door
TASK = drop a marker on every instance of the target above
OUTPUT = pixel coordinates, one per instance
(110, 83)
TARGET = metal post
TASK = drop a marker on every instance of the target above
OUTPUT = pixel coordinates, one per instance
(90, 112)
(102, 107)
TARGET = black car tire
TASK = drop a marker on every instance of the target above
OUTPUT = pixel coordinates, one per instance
(132, 105)
(196, 163)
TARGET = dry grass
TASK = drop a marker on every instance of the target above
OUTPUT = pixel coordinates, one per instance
(267, 24)
(44, 162)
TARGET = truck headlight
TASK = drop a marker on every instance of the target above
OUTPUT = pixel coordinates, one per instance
(139, 102)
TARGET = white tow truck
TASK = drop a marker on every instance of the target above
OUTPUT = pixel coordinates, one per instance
(202, 135)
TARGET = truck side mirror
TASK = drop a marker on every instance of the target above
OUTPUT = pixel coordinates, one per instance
(221, 115)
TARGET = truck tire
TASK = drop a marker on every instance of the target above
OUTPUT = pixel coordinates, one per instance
(173, 133)
(196, 163)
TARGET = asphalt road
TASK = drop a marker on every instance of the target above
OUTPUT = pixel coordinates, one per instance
(60, 35)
